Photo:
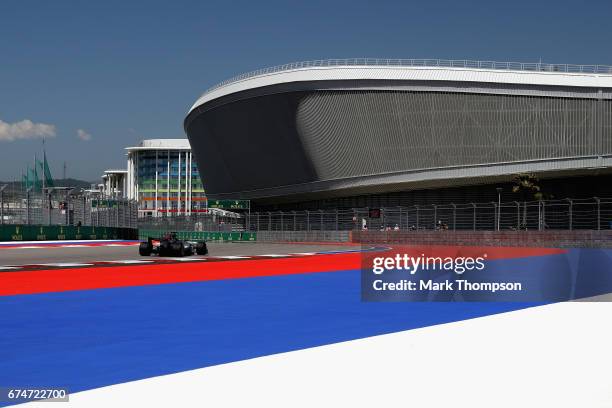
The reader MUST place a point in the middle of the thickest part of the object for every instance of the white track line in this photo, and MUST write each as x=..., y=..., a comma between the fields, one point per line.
x=182, y=259
x=232, y=257
x=63, y=264
x=152, y=260
x=86, y=241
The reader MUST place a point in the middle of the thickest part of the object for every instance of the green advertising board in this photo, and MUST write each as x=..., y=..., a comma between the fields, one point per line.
x=104, y=204
x=63, y=232
x=229, y=204
x=202, y=235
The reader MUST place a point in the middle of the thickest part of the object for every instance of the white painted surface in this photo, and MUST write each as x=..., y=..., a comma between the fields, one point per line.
x=231, y=257
x=552, y=356
x=63, y=264
x=92, y=241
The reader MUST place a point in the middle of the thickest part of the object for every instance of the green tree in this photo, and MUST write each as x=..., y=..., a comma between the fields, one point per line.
x=528, y=185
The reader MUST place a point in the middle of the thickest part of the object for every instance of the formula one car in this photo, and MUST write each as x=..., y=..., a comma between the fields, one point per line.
x=170, y=245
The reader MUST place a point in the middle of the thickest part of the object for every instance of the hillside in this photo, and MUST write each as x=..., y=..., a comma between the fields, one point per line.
x=69, y=182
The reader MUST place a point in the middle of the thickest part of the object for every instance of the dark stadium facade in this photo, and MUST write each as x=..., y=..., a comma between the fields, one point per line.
x=345, y=133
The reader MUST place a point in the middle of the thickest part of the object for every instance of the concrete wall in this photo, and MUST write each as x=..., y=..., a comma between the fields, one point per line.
x=553, y=239
x=304, y=236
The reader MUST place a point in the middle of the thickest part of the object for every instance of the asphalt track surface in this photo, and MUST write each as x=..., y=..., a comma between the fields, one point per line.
x=19, y=256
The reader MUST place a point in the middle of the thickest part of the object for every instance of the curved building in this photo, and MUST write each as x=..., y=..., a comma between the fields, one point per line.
x=341, y=128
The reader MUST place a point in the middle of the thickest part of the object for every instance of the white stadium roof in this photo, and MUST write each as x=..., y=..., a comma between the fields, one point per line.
x=538, y=74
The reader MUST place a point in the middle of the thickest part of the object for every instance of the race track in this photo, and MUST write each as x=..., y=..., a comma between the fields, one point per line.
x=71, y=253
x=276, y=320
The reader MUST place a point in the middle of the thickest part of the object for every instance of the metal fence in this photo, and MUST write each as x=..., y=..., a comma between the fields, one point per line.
x=442, y=63
x=194, y=222
x=64, y=207
x=567, y=214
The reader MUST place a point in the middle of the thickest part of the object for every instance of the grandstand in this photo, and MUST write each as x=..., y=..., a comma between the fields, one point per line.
x=365, y=133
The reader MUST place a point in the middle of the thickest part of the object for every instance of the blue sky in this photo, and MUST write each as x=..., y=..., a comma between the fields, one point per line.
x=122, y=71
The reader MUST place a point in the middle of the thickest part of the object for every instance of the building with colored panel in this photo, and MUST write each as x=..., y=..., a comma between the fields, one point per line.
x=346, y=133
x=164, y=177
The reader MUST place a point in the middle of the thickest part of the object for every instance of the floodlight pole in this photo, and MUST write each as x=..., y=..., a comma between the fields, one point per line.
x=48, y=191
x=28, y=205
x=67, y=208
x=499, y=191
x=2, y=203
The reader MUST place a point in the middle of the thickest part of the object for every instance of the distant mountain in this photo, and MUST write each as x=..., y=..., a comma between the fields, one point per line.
x=69, y=182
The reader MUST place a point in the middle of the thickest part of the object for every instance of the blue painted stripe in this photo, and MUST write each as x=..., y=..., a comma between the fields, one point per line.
x=89, y=339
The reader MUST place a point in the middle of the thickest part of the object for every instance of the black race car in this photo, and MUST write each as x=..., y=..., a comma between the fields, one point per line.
x=170, y=245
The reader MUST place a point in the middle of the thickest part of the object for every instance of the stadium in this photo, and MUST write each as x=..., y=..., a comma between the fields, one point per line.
x=371, y=132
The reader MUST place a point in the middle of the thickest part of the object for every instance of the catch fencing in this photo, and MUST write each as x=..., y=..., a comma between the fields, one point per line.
x=566, y=214
x=65, y=207
x=195, y=222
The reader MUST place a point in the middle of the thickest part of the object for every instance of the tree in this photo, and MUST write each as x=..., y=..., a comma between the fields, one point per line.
x=528, y=185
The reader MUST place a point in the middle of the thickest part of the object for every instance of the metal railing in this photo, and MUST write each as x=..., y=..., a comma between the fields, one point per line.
x=434, y=63
x=64, y=207
x=193, y=222
x=567, y=214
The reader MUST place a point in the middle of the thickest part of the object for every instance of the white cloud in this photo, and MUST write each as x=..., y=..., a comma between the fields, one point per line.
x=83, y=135
x=25, y=129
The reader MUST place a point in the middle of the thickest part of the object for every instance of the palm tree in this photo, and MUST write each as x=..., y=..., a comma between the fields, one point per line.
x=528, y=184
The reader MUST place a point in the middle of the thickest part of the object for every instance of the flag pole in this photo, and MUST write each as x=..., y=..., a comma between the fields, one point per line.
x=44, y=176
x=35, y=171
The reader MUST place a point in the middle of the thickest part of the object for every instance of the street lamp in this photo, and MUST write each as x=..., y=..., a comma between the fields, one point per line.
x=69, y=192
x=28, y=191
x=2, y=203
x=499, y=191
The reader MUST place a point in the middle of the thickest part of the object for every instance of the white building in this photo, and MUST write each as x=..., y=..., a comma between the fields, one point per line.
x=163, y=176
x=114, y=183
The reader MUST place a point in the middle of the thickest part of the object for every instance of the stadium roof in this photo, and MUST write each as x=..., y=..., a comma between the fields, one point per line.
x=539, y=74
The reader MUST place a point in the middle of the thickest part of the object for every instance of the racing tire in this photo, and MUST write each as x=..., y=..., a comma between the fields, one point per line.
x=201, y=248
x=145, y=249
x=164, y=249
x=178, y=250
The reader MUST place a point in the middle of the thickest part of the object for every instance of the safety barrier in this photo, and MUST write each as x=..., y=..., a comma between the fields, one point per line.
x=304, y=236
x=202, y=235
x=550, y=238
x=12, y=232
x=67, y=208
